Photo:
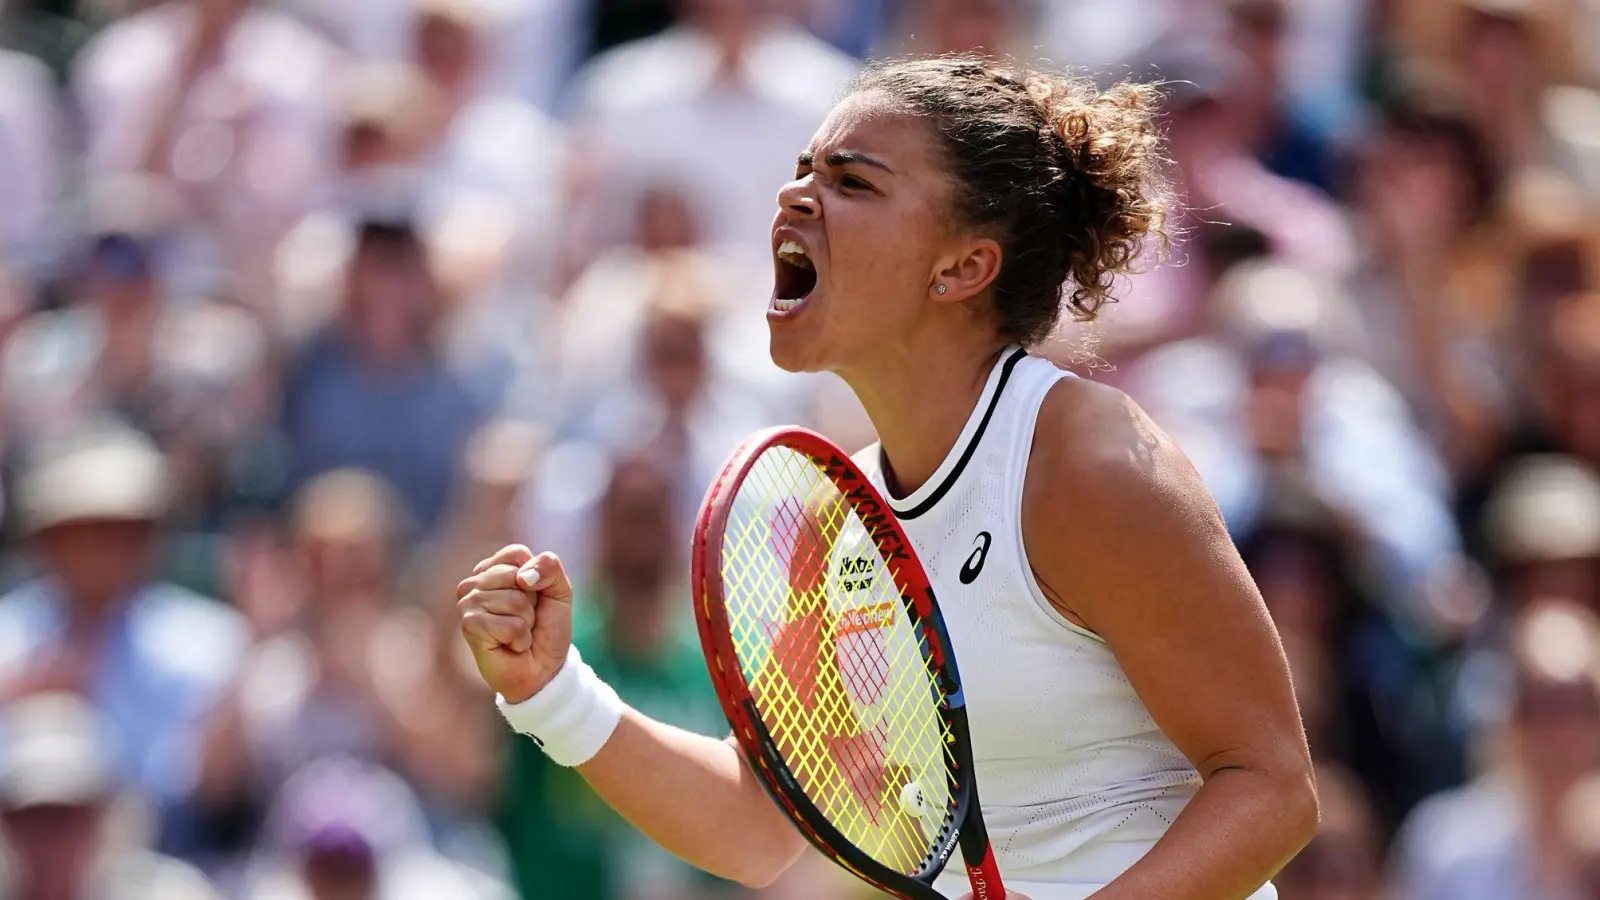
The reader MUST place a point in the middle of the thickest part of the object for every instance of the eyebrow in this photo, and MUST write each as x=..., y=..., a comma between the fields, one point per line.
x=840, y=158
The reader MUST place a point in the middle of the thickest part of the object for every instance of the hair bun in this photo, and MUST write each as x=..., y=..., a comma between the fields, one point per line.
x=1111, y=166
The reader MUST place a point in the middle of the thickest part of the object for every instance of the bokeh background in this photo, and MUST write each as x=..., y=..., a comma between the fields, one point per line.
x=306, y=305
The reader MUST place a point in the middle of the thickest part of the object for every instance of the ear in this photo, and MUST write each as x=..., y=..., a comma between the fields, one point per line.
x=967, y=272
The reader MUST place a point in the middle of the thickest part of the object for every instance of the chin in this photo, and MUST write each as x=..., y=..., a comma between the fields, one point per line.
x=784, y=355
x=792, y=355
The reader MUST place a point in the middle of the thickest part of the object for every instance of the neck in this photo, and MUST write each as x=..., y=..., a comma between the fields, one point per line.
x=919, y=408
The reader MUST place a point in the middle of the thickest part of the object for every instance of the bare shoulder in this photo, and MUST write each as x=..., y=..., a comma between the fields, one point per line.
x=1094, y=446
x=1108, y=496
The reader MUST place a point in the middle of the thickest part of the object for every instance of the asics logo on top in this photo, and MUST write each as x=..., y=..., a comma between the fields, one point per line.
x=974, y=563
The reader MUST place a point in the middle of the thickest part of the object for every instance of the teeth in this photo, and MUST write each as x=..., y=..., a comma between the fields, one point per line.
x=782, y=304
x=794, y=254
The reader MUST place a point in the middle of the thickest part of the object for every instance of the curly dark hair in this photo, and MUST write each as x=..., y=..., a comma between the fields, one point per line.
x=1067, y=177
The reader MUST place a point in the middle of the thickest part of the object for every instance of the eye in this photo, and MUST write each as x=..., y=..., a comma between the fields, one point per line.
x=854, y=183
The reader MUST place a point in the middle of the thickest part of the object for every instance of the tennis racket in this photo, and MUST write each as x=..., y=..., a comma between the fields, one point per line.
x=832, y=663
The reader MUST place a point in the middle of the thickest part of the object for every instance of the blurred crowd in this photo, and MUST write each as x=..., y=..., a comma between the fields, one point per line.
x=307, y=305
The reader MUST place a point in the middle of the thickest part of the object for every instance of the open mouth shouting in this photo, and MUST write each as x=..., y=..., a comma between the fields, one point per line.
x=794, y=280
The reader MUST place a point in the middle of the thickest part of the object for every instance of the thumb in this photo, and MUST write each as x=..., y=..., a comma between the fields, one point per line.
x=545, y=575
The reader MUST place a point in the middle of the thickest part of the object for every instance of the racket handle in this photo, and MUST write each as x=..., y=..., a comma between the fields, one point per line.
x=985, y=878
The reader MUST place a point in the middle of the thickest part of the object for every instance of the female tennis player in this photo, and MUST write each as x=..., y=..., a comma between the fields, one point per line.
x=1132, y=721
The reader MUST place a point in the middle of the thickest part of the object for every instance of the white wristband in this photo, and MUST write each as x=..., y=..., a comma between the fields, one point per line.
x=572, y=717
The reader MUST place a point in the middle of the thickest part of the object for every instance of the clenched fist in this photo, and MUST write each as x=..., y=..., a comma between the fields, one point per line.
x=516, y=614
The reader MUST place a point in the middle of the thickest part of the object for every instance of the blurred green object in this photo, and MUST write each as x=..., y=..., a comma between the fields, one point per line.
x=564, y=841
x=193, y=561
x=48, y=30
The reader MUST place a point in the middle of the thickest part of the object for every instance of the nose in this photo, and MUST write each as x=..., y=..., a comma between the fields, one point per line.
x=799, y=199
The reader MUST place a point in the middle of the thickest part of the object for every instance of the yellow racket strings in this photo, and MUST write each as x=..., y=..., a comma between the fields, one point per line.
x=834, y=662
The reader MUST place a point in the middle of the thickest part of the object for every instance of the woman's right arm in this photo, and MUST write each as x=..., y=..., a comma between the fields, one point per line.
x=693, y=795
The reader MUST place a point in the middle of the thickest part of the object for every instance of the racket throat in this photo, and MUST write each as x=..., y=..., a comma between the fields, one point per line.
x=985, y=877
x=978, y=855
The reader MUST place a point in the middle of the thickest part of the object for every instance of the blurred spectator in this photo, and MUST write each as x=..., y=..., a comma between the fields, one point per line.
x=1215, y=166
x=1436, y=285
x=1500, y=836
x=749, y=86
x=1374, y=697
x=1287, y=143
x=353, y=676
x=535, y=44
x=1220, y=183
x=99, y=352
x=383, y=108
x=493, y=172
x=601, y=313
x=854, y=26
x=484, y=170
x=371, y=391
x=648, y=381
x=1345, y=860
x=1277, y=386
x=226, y=100
x=540, y=45
x=487, y=155
x=1540, y=538
x=1322, y=61
x=996, y=27
x=32, y=138
x=214, y=395
x=632, y=626
x=1565, y=354
x=194, y=373
x=347, y=830
x=1549, y=341
x=655, y=348
x=1100, y=34
x=68, y=830
x=337, y=253
x=308, y=691
x=1504, y=72
x=1542, y=532
x=152, y=657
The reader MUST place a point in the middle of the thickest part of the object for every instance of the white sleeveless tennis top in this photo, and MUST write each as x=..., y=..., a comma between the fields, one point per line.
x=1076, y=780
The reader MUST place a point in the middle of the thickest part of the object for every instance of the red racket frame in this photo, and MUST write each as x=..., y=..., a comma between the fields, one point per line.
x=965, y=827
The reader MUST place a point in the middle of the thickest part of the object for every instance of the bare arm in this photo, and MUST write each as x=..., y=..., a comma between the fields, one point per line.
x=1127, y=542
x=699, y=800
x=694, y=795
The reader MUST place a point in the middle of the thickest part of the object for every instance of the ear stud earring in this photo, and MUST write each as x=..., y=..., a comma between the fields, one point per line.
x=941, y=289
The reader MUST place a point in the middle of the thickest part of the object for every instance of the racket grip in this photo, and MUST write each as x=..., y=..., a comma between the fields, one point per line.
x=985, y=877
